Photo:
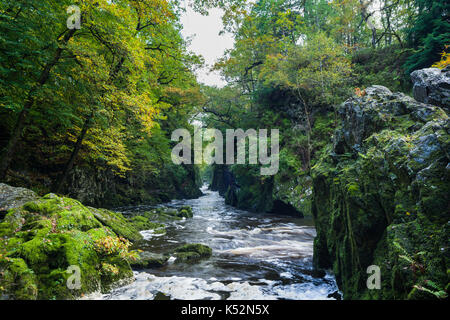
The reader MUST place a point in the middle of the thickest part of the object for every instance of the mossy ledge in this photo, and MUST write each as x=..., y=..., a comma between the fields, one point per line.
x=381, y=198
x=40, y=240
x=192, y=252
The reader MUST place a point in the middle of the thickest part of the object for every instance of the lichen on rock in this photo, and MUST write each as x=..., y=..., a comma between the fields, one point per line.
x=381, y=198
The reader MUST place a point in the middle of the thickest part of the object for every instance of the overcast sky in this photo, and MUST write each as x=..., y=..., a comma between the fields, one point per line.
x=206, y=41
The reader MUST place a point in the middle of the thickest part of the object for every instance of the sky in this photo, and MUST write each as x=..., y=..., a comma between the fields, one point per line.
x=206, y=41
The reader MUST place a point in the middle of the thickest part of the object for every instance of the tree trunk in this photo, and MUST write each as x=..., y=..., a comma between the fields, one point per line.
x=374, y=37
x=21, y=120
x=69, y=165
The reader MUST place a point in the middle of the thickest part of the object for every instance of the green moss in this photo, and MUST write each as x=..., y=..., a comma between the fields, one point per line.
x=150, y=260
x=185, y=211
x=192, y=252
x=117, y=223
x=385, y=203
x=18, y=281
x=143, y=223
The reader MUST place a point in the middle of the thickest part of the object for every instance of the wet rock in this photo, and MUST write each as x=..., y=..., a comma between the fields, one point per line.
x=166, y=214
x=42, y=238
x=143, y=223
x=192, y=252
x=318, y=273
x=282, y=208
x=336, y=295
x=378, y=91
x=432, y=86
x=185, y=212
x=149, y=260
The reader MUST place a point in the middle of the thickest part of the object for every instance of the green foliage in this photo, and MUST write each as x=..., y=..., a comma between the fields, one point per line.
x=382, y=66
x=53, y=233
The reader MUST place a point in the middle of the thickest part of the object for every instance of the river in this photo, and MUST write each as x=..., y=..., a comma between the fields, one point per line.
x=255, y=256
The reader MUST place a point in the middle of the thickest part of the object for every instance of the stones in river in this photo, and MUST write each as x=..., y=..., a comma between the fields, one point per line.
x=167, y=214
x=188, y=253
x=192, y=252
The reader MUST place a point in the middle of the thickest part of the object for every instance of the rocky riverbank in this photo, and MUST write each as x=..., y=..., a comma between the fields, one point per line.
x=381, y=197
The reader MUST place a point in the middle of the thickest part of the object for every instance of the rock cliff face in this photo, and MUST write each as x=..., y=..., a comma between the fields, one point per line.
x=11, y=197
x=381, y=197
x=248, y=192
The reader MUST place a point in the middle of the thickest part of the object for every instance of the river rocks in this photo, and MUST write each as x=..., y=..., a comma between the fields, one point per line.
x=40, y=240
x=188, y=253
x=12, y=197
x=192, y=252
x=149, y=260
x=380, y=197
x=432, y=86
x=185, y=212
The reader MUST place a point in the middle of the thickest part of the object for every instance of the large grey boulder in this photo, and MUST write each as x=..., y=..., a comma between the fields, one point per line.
x=432, y=86
x=363, y=116
x=13, y=197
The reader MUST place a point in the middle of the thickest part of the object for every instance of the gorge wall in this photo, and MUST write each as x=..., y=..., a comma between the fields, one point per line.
x=381, y=196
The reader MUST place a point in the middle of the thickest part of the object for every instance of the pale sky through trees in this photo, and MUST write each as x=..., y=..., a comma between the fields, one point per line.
x=206, y=41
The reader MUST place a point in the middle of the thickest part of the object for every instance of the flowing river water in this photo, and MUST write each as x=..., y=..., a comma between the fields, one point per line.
x=255, y=256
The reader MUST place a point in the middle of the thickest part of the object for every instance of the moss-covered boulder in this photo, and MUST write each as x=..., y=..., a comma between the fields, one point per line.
x=46, y=243
x=144, y=223
x=149, y=260
x=117, y=223
x=185, y=212
x=163, y=214
x=192, y=252
x=381, y=198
